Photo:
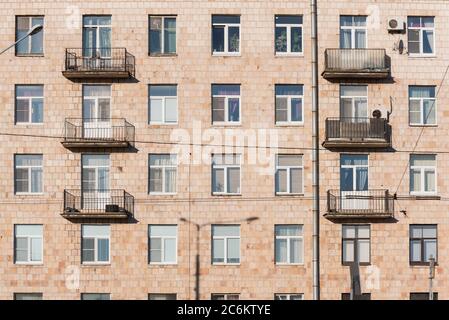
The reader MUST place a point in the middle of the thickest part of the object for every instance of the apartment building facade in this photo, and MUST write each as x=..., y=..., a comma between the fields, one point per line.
x=162, y=149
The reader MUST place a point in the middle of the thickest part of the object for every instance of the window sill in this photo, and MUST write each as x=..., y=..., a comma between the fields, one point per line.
x=161, y=264
x=37, y=194
x=421, y=56
x=29, y=264
x=364, y=264
x=93, y=264
x=422, y=125
x=289, y=264
x=159, y=194
x=289, y=55
x=161, y=124
x=289, y=124
x=226, y=54
x=31, y=55
x=162, y=55
x=226, y=264
x=31, y=124
x=227, y=125
x=425, y=196
x=421, y=264
x=227, y=194
x=285, y=194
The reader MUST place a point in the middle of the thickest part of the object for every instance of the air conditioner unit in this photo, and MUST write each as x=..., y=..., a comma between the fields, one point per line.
x=396, y=24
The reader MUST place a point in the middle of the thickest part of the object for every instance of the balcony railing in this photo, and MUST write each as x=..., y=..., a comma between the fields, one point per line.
x=356, y=63
x=105, y=203
x=357, y=132
x=360, y=204
x=99, y=63
x=110, y=132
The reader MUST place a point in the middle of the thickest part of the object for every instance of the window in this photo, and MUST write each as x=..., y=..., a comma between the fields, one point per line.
x=288, y=296
x=163, y=244
x=423, y=243
x=289, y=174
x=163, y=104
x=28, y=243
x=97, y=37
x=225, y=244
x=289, y=244
x=225, y=296
x=95, y=243
x=33, y=44
x=288, y=35
x=422, y=105
x=225, y=103
x=423, y=171
x=226, y=174
x=95, y=296
x=29, y=104
x=422, y=296
x=162, y=296
x=353, y=103
x=95, y=180
x=225, y=34
x=163, y=170
x=356, y=244
x=162, y=35
x=289, y=104
x=421, y=35
x=27, y=296
x=28, y=173
x=353, y=32
x=364, y=296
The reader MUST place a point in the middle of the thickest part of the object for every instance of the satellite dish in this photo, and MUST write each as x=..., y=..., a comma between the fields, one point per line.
x=377, y=114
x=401, y=46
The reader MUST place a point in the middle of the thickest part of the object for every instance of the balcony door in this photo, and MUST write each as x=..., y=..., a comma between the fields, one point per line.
x=97, y=112
x=353, y=110
x=95, y=181
x=353, y=32
x=97, y=41
x=354, y=182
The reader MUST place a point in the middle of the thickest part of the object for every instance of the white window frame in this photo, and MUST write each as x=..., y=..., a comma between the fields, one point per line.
x=163, y=17
x=353, y=99
x=289, y=27
x=421, y=110
x=289, y=97
x=226, y=51
x=30, y=106
x=29, y=169
x=97, y=28
x=422, y=171
x=225, y=296
x=163, y=167
x=356, y=242
x=226, y=122
x=29, y=38
x=96, y=99
x=353, y=30
x=163, y=99
x=96, y=168
x=163, y=238
x=287, y=296
x=29, y=238
x=421, y=31
x=225, y=246
x=288, y=169
x=96, y=239
x=289, y=238
x=225, y=168
x=354, y=168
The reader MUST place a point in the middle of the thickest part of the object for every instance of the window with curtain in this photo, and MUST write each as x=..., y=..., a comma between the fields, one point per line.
x=226, y=174
x=289, y=104
x=423, y=243
x=423, y=174
x=422, y=105
x=95, y=296
x=33, y=44
x=356, y=244
x=163, y=172
x=28, y=296
x=353, y=32
x=95, y=241
x=225, y=34
x=289, y=296
x=29, y=104
x=289, y=174
x=288, y=34
x=162, y=244
x=97, y=36
x=95, y=173
x=289, y=244
x=162, y=35
x=163, y=104
x=225, y=104
x=421, y=35
x=28, y=243
x=354, y=172
x=28, y=173
x=225, y=244
x=354, y=103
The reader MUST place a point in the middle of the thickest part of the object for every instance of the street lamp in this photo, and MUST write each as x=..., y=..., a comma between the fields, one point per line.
x=197, y=257
x=32, y=31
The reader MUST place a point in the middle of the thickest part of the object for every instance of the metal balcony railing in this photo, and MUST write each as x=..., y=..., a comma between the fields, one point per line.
x=357, y=129
x=370, y=203
x=98, y=130
x=105, y=201
x=361, y=62
x=91, y=60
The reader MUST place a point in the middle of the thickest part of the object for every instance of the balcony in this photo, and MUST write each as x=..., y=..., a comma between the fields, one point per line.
x=357, y=133
x=371, y=204
x=103, y=63
x=98, y=133
x=111, y=204
x=356, y=63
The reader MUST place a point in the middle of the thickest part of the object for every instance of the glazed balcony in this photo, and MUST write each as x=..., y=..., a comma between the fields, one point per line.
x=370, y=204
x=357, y=133
x=110, y=203
x=356, y=63
x=102, y=63
x=102, y=133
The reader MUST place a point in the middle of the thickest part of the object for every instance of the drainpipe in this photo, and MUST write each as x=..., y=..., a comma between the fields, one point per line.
x=315, y=155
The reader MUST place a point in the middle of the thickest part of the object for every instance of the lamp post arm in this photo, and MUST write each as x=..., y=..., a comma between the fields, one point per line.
x=33, y=31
